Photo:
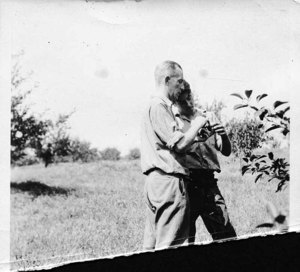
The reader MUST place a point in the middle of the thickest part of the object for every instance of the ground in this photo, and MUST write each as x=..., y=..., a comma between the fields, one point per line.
x=73, y=211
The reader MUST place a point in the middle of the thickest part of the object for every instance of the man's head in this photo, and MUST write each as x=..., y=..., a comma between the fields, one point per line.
x=169, y=77
x=185, y=101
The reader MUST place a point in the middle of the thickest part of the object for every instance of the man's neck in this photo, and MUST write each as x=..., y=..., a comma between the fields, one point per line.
x=162, y=91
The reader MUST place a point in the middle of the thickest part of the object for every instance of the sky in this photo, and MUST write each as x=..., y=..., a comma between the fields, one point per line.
x=98, y=57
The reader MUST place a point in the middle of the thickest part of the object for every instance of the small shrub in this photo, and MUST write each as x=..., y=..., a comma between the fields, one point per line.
x=134, y=154
x=26, y=160
x=81, y=151
x=245, y=135
x=62, y=159
x=110, y=153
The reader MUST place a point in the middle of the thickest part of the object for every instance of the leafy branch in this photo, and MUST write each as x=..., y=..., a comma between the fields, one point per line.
x=276, y=118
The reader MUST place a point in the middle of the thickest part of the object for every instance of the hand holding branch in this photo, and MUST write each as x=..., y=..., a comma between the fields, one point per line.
x=219, y=129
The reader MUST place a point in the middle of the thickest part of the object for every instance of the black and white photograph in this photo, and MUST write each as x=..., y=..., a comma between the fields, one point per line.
x=145, y=125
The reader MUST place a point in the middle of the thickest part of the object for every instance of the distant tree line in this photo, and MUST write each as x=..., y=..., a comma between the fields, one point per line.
x=35, y=139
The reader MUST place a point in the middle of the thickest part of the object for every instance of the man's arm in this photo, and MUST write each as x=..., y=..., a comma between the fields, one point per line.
x=165, y=127
x=223, y=142
x=189, y=136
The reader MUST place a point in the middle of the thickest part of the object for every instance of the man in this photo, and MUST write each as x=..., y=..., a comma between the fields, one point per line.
x=163, y=148
x=202, y=160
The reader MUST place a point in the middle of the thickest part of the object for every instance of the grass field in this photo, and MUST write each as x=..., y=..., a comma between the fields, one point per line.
x=75, y=211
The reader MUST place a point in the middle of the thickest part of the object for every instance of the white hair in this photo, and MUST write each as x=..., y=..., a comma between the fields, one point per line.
x=164, y=70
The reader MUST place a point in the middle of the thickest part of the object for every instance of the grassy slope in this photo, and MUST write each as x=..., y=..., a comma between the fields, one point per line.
x=97, y=209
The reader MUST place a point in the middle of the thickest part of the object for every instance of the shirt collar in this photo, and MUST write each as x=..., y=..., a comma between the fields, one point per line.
x=177, y=114
x=164, y=99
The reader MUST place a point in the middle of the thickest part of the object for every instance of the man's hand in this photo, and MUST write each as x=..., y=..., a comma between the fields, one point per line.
x=198, y=111
x=203, y=135
x=189, y=136
x=199, y=121
x=223, y=142
x=219, y=129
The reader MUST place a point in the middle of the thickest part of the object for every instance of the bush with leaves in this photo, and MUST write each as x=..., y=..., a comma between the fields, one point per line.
x=276, y=118
x=245, y=135
x=27, y=160
x=110, y=153
x=134, y=154
x=82, y=151
x=58, y=136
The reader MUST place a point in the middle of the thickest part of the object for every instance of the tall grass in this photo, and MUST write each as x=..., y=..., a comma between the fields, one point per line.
x=76, y=211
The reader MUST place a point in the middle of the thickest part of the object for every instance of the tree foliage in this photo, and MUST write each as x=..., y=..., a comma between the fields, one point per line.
x=82, y=151
x=276, y=118
x=110, y=153
x=30, y=131
x=245, y=135
x=66, y=148
x=27, y=131
x=58, y=136
x=134, y=154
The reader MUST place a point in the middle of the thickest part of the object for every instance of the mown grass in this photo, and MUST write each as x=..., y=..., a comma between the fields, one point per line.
x=76, y=211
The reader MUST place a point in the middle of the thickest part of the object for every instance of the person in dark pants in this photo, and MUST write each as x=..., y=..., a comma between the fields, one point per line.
x=207, y=201
x=205, y=197
x=48, y=155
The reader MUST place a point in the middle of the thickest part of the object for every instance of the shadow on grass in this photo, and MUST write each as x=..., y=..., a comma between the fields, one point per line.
x=36, y=188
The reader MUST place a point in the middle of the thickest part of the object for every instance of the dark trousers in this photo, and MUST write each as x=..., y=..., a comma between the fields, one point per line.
x=207, y=201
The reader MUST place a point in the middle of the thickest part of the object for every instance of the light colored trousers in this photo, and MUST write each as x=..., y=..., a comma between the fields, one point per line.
x=167, y=211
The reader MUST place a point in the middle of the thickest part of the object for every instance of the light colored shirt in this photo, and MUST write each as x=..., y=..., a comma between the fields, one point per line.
x=200, y=155
x=159, y=136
